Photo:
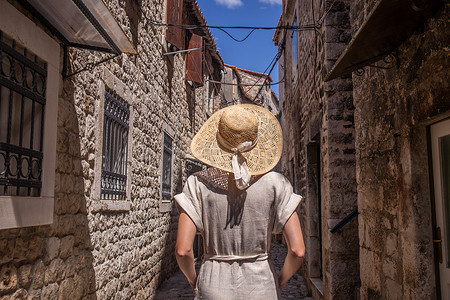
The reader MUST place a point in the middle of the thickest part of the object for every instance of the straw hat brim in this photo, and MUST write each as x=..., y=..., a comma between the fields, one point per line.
x=260, y=159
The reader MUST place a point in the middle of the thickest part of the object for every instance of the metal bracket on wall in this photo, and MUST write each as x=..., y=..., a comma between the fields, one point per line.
x=180, y=51
x=344, y=221
x=88, y=67
x=390, y=61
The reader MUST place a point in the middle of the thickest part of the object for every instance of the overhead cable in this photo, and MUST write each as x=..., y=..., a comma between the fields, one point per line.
x=244, y=84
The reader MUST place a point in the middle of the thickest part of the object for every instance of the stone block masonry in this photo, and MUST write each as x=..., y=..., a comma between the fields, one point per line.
x=320, y=145
x=99, y=249
x=393, y=109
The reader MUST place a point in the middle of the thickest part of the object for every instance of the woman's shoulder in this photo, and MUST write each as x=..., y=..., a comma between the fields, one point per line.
x=272, y=180
x=272, y=175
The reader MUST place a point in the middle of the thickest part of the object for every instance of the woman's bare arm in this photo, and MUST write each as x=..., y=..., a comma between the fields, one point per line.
x=296, y=249
x=184, y=248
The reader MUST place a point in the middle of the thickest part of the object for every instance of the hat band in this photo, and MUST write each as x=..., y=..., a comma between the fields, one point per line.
x=240, y=169
x=242, y=147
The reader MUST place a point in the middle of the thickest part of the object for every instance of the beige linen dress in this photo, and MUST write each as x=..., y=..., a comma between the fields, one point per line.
x=237, y=227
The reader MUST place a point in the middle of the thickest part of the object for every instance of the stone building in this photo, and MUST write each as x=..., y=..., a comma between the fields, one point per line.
x=244, y=86
x=376, y=139
x=98, y=105
x=319, y=137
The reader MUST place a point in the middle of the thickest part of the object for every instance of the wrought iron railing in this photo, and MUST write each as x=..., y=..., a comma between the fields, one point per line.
x=115, y=147
x=23, y=78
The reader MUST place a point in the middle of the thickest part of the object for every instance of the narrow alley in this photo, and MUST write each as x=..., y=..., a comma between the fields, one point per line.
x=177, y=287
x=342, y=102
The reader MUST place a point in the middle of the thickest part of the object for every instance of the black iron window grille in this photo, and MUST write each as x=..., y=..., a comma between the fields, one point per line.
x=115, y=147
x=167, y=168
x=23, y=78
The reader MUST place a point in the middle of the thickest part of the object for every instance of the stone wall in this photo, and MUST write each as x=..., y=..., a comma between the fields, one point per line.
x=393, y=109
x=99, y=249
x=320, y=150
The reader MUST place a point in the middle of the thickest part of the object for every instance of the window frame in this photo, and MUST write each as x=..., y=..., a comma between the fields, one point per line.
x=114, y=147
x=111, y=82
x=24, y=211
x=165, y=203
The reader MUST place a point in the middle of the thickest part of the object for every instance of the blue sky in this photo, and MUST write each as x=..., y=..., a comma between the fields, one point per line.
x=256, y=52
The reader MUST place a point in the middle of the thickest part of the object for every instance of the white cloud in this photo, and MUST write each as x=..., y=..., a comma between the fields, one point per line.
x=230, y=3
x=271, y=2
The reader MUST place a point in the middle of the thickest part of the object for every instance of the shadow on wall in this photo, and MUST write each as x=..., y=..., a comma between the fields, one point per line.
x=168, y=261
x=54, y=261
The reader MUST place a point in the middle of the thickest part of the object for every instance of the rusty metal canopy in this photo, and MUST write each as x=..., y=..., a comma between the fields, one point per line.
x=389, y=24
x=81, y=23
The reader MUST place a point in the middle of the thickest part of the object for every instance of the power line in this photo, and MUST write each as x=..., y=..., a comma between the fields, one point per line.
x=243, y=84
x=279, y=53
x=262, y=75
x=191, y=27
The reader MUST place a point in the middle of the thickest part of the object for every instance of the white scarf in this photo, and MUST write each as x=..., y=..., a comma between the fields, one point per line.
x=240, y=169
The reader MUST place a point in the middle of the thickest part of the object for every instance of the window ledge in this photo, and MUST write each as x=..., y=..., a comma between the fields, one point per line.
x=110, y=206
x=165, y=206
x=18, y=212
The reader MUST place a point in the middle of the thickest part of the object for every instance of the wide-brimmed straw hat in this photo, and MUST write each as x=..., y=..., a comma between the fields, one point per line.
x=246, y=133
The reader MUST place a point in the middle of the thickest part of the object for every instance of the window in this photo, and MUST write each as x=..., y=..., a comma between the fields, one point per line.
x=23, y=77
x=115, y=147
x=166, y=186
x=294, y=37
x=29, y=85
x=111, y=189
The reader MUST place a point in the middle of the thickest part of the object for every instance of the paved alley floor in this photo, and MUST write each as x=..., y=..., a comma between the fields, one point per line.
x=177, y=287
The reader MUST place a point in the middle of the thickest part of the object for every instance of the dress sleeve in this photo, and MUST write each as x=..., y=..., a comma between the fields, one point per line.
x=286, y=202
x=189, y=202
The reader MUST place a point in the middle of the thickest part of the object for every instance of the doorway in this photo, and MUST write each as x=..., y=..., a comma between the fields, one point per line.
x=440, y=153
x=315, y=211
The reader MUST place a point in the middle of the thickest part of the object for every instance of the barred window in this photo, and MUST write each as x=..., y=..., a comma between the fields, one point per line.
x=115, y=147
x=23, y=77
x=167, y=168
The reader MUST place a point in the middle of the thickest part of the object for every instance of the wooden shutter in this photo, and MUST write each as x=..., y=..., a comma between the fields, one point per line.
x=174, y=16
x=194, y=59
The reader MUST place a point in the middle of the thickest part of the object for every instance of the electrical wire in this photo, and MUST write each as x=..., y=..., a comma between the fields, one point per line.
x=314, y=26
x=271, y=69
x=222, y=28
x=243, y=84
x=241, y=40
x=263, y=74
x=191, y=27
x=280, y=52
x=321, y=19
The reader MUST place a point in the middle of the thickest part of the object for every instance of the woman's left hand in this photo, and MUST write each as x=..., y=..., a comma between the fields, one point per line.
x=194, y=284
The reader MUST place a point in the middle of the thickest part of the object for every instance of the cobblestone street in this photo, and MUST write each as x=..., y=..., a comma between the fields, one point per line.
x=177, y=287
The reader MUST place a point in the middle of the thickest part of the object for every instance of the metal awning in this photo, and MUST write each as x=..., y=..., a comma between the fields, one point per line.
x=389, y=24
x=81, y=23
